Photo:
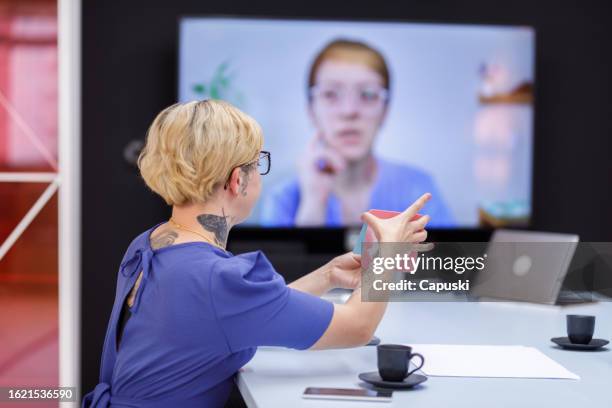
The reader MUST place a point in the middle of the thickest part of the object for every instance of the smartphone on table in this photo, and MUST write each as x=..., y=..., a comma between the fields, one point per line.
x=347, y=394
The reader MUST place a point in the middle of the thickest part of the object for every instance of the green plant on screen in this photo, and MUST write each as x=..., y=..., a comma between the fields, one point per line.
x=220, y=86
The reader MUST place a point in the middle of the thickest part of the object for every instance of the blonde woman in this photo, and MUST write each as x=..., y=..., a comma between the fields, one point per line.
x=338, y=175
x=188, y=313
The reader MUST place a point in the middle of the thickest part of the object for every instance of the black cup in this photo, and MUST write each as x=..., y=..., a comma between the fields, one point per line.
x=580, y=328
x=393, y=361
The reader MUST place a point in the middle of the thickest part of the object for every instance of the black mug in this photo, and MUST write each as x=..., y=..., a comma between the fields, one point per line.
x=580, y=328
x=393, y=361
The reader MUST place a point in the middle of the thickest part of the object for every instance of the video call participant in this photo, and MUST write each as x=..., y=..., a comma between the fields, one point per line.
x=188, y=313
x=338, y=175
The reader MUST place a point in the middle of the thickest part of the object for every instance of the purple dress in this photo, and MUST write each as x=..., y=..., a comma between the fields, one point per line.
x=198, y=316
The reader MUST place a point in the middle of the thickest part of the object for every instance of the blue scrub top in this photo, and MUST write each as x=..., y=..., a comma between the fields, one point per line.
x=396, y=187
x=199, y=314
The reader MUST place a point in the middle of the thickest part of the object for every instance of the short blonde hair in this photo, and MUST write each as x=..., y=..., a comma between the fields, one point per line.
x=351, y=51
x=192, y=148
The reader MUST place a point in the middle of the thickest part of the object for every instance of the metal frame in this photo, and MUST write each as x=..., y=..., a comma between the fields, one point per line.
x=66, y=181
x=69, y=220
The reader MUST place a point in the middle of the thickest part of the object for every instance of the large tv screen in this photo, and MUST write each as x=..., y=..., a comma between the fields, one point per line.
x=362, y=115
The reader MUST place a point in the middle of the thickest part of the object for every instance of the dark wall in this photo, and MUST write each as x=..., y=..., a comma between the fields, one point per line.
x=129, y=74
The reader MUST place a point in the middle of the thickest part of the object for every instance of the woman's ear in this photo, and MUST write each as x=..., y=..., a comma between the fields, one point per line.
x=233, y=183
x=383, y=116
x=312, y=116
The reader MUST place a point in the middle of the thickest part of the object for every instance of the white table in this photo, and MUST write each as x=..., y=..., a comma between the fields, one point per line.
x=277, y=377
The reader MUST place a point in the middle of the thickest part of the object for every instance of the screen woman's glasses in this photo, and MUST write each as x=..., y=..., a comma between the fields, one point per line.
x=264, y=162
x=368, y=97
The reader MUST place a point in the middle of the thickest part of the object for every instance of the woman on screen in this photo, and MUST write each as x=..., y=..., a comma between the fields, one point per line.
x=188, y=313
x=339, y=177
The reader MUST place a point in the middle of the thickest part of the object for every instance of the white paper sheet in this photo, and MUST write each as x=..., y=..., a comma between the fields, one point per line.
x=449, y=360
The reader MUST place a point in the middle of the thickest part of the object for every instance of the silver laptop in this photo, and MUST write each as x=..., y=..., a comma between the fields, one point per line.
x=525, y=266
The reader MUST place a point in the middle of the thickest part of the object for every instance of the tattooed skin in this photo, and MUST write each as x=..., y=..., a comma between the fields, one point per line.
x=217, y=224
x=164, y=239
x=246, y=176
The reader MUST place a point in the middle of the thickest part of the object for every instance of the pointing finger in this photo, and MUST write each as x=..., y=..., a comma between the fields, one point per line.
x=416, y=206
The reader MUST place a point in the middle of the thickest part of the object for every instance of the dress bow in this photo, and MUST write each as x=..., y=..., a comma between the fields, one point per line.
x=140, y=261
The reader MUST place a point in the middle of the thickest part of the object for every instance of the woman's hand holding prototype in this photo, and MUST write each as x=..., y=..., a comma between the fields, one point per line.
x=403, y=227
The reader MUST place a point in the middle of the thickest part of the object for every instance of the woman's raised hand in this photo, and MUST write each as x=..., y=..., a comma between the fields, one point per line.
x=317, y=169
x=403, y=227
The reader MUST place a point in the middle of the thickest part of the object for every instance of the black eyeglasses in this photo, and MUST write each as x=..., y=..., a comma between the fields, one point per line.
x=264, y=163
